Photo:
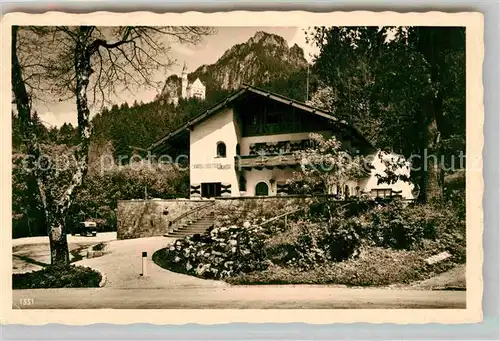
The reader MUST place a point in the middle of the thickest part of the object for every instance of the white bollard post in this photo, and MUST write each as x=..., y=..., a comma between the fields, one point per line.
x=144, y=264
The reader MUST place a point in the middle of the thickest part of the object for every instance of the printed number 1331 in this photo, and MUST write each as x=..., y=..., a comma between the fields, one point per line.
x=26, y=301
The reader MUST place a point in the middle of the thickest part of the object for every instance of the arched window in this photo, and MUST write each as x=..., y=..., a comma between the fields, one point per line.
x=346, y=191
x=261, y=189
x=238, y=149
x=221, y=149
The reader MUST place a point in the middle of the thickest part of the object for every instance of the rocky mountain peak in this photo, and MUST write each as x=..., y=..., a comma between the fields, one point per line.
x=262, y=58
x=267, y=39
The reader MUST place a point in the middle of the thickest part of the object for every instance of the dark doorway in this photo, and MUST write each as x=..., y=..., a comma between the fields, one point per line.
x=261, y=189
x=211, y=189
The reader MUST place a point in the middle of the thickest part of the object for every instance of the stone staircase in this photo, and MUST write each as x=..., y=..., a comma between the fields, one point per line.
x=191, y=228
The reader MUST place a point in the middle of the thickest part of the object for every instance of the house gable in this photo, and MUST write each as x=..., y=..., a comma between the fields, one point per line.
x=274, y=114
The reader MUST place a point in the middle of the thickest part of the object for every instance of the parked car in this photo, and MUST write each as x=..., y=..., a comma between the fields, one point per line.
x=85, y=228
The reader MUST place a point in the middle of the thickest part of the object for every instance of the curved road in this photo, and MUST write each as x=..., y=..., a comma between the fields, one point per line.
x=126, y=289
x=238, y=297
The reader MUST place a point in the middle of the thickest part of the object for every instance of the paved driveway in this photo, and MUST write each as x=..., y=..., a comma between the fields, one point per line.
x=123, y=266
x=31, y=254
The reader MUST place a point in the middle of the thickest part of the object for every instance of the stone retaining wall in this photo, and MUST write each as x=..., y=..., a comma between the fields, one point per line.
x=148, y=218
x=250, y=208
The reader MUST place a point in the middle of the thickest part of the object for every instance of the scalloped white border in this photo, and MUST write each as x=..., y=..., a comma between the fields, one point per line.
x=474, y=23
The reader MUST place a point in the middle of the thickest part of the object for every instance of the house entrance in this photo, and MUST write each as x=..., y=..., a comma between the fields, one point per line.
x=211, y=189
x=261, y=189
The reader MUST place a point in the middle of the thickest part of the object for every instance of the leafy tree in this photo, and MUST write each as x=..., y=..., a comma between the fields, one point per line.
x=403, y=87
x=294, y=86
x=325, y=166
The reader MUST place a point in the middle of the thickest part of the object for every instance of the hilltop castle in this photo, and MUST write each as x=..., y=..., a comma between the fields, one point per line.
x=187, y=90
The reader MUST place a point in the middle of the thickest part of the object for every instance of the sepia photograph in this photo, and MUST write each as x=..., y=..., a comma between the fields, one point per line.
x=240, y=167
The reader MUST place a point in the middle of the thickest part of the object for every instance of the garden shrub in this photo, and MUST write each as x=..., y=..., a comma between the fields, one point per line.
x=342, y=241
x=57, y=277
x=298, y=246
x=375, y=266
x=398, y=225
x=221, y=253
x=99, y=247
x=409, y=226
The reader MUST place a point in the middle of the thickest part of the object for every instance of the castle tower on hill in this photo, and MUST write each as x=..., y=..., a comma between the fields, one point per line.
x=179, y=87
x=195, y=89
x=184, y=82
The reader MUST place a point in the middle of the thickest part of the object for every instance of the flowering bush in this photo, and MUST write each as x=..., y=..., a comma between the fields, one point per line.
x=222, y=253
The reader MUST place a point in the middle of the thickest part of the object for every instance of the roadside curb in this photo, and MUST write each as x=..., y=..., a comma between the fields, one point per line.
x=93, y=254
x=449, y=288
x=103, y=278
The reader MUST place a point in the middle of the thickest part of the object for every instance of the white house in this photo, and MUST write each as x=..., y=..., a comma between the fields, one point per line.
x=243, y=146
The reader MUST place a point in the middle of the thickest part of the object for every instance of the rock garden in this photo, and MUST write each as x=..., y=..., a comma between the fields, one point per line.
x=358, y=243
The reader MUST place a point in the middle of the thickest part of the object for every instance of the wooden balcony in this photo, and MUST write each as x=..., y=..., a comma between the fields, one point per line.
x=266, y=161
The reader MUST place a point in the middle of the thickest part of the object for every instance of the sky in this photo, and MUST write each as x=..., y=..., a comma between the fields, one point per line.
x=207, y=52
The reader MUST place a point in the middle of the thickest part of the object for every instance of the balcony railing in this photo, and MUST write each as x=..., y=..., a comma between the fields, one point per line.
x=280, y=147
x=266, y=161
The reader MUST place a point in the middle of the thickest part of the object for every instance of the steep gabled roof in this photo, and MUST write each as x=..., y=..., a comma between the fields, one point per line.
x=197, y=83
x=252, y=89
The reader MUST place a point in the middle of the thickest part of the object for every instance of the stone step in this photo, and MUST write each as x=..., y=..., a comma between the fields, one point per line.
x=194, y=231
x=192, y=227
x=196, y=225
x=180, y=235
x=204, y=228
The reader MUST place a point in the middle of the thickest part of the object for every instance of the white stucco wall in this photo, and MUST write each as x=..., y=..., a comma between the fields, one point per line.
x=254, y=176
x=203, y=151
x=371, y=182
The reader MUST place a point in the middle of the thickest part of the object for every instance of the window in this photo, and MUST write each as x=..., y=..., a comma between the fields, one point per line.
x=221, y=149
x=261, y=189
x=381, y=192
x=211, y=189
x=242, y=182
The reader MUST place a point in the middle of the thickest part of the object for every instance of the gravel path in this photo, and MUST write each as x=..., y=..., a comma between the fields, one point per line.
x=122, y=263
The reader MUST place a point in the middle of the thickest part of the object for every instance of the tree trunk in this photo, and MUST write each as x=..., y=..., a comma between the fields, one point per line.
x=21, y=98
x=59, y=253
x=83, y=71
x=432, y=175
x=55, y=210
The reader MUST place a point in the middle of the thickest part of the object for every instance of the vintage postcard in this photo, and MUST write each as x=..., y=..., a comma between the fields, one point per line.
x=242, y=167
